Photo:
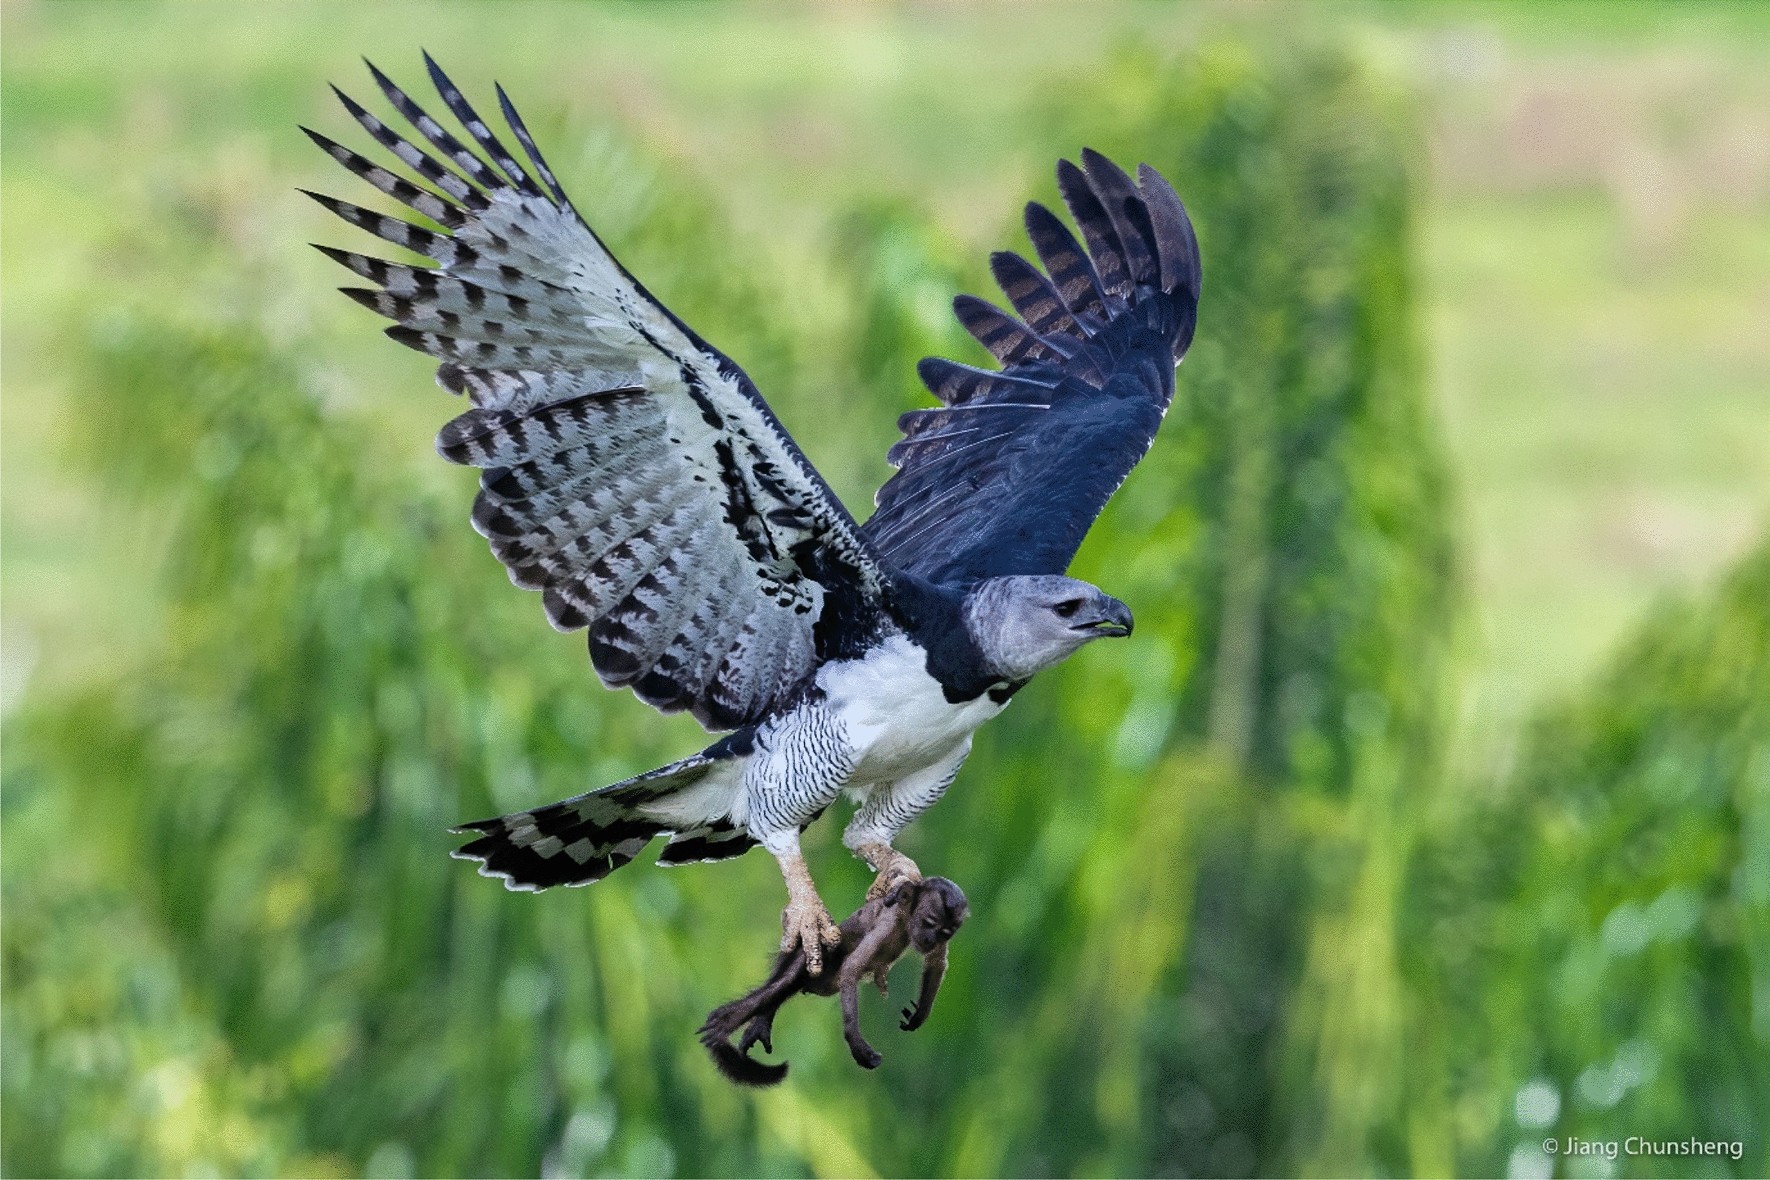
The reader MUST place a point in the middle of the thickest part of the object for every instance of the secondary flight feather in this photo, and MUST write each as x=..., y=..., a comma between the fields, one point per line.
x=635, y=477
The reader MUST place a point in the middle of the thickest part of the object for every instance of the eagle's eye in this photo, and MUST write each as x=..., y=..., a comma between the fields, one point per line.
x=1068, y=608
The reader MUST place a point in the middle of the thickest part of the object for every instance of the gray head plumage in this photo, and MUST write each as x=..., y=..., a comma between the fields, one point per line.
x=1026, y=623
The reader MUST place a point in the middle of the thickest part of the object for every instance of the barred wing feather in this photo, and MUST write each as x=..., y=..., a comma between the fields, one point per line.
x=1008, y=475
x=632, y=473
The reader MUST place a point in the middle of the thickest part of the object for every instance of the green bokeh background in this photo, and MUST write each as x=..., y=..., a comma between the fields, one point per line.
x=1425, y=818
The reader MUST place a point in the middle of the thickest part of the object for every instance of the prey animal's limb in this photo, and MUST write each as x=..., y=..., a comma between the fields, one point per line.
x=754, y=1012
x=760, y=1031
x=759, y=1005
x=933, y=971
x=921, y=914
x=878, y=948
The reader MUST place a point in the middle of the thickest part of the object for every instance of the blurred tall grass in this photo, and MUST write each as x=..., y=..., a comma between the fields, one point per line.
x=1234, y=913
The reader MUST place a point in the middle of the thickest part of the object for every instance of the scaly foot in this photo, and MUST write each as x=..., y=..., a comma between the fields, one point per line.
x=893, y=867
x=805, y=923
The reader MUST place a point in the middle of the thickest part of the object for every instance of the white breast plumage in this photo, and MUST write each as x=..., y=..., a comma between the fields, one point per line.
x=896, y=718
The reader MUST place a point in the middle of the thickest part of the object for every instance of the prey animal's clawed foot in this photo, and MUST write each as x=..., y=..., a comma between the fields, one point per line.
x=760, y=1031
x=913, y=1018
x=806, y=925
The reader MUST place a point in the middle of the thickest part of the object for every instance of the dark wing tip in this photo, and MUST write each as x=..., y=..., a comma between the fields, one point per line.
x=369, y=268
x=1104, y=175
x=355, y=109
x=523, y=136
x=363, y=295
x=413, y=338
x=382, y=80
x=1036, y=214
x=1093, y=161
x=1008, y=260
x=1148, y=179
x=1182, y=267
x=438, y=78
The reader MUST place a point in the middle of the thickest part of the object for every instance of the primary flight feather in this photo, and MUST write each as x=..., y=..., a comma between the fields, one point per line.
x=635, y=477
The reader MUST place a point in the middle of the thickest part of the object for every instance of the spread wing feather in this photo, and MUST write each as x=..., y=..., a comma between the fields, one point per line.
x=631, y=473
x=1007, y=476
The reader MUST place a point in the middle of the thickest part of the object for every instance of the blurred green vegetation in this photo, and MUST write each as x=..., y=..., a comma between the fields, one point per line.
x=1240, y=909
x=1601, y=923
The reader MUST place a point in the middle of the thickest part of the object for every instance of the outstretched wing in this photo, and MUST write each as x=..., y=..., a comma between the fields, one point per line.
x=1009, y=474
x=632, y=473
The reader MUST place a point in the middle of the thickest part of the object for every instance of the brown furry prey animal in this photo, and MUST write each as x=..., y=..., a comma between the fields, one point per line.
x=922, y=914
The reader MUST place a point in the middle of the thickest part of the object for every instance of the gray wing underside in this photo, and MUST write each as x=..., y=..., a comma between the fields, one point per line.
x=632, y=473
x=1008, y=475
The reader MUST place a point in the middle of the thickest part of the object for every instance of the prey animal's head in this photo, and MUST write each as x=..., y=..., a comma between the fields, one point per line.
x=937, y=909
x=1024, y=624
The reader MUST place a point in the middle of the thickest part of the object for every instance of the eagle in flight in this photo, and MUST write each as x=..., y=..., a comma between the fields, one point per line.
x=634, y=475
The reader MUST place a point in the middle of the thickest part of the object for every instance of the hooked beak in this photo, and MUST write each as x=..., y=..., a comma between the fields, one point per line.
x=1108, y=617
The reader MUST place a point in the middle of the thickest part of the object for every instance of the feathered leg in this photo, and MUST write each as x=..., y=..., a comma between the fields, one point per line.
x=797, y=770
x=888, y=810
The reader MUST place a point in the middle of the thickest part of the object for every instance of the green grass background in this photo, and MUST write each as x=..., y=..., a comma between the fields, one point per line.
x=1418, y=824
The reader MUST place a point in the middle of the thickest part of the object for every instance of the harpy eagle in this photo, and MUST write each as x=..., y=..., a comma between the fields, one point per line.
x=633, y=475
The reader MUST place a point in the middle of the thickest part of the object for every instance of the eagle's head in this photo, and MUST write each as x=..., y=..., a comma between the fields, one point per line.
x=1026, y=623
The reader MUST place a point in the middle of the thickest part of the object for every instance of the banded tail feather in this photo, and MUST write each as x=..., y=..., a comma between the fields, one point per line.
x=573, y=842
x=585, y=838
x=719, y=840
